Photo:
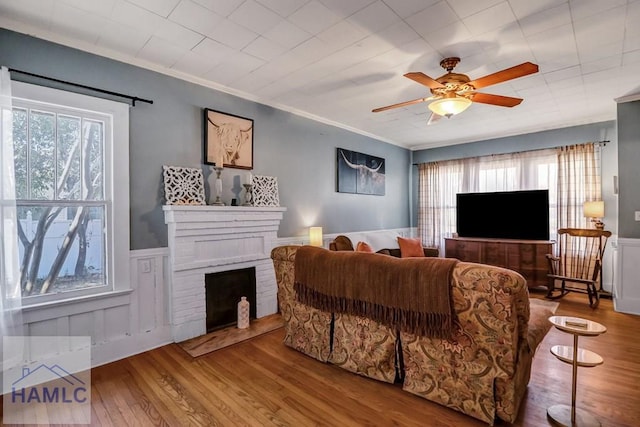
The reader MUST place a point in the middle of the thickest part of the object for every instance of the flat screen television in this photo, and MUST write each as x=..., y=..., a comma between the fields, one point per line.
x=520, y=215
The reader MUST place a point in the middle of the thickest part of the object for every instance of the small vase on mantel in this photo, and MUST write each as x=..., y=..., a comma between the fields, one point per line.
x=243, y=313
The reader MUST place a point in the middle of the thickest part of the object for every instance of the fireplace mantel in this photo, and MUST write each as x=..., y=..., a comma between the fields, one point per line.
x=210, y=239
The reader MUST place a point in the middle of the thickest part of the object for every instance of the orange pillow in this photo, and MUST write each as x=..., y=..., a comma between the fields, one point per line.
x=410, y=247
x=363, y=247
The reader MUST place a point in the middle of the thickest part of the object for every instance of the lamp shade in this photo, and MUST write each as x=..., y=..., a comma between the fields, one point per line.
x=450, y=106
x=593, y=209
x=315, y=236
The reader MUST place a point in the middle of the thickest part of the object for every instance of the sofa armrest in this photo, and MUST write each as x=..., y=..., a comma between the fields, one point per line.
x=307, y=329
x=498, y=299
x=461, y=372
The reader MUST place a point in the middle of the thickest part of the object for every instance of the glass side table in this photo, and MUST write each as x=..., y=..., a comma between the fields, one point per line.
x=564, y=415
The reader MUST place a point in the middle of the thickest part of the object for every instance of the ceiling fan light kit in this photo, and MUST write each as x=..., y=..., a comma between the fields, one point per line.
x=453, y=92
x=449, y=106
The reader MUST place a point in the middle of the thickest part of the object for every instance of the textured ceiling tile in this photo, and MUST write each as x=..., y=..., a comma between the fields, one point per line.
x=102, y=7
x=232, y=34
x=254, y=16
x=464, y=8
x=134, y=16
x=221, y=7
x=406, y=8
x=490, y=19
x=450, y=38
x=195, y=17
x=524, y=8
x=159, y=7
x=312, y=50
x=553, y=43
x=123, y=38
x=433, y=18
x=287, y=35
x=283, y=8
x=374, y=18
x=234, y=67
x=160, y=52
x=264, y=49
x=341, y=35
x=346, y=8
x=213, y=50
x=178, y=35
x=194, y=64
x=546, y=20
x=76, y=23
x=314, y=17
x=584, y=8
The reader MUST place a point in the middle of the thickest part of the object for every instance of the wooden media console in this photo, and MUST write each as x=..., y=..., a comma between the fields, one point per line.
x=527, y=257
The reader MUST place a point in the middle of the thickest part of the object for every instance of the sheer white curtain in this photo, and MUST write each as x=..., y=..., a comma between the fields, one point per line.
x=439, y=182
x=10, y=295
x=578, y=182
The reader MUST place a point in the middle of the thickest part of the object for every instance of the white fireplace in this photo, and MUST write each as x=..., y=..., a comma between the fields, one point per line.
x=211, y=239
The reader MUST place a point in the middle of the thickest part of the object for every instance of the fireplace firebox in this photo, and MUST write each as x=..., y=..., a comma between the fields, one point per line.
x=223, y=291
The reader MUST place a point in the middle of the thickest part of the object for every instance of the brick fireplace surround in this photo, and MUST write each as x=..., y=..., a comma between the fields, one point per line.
x=210, y=239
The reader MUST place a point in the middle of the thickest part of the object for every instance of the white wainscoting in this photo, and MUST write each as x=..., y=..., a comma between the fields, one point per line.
x=119, y=325
x=327, y=238
x=627, y=280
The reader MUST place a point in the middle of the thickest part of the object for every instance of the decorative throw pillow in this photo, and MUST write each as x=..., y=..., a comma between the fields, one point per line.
x=410, y=247
x=363, y=247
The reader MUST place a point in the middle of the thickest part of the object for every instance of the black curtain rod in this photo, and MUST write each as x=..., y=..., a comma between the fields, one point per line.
x=133, y=99
x=603, y=143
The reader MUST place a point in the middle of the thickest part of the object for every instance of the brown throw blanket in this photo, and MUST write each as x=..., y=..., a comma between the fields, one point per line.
x=412, y=294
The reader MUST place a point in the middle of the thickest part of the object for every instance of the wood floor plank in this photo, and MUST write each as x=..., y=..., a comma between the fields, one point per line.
x=143, y=403
x=215, y=400
x=147, y=379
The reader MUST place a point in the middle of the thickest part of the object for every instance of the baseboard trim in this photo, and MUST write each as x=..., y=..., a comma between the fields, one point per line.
x=111, y=351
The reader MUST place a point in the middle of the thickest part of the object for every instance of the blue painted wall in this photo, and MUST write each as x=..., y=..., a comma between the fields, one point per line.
x=300, y=152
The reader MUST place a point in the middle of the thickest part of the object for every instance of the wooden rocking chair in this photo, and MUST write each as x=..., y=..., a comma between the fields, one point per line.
x=579, y=263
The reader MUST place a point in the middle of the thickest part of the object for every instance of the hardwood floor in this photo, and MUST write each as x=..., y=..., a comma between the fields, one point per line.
x=261, y=382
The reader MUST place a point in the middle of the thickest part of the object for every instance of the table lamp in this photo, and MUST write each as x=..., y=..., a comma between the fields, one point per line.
x=315, y=236
x=595, y=211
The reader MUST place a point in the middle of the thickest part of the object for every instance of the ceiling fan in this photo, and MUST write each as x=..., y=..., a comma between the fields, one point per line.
x=453, y=93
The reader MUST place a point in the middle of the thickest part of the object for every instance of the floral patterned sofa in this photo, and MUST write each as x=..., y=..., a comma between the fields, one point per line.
x=482, y=370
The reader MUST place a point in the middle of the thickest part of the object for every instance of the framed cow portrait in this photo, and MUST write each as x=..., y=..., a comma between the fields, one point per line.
x=360, y=173
x=228, y=140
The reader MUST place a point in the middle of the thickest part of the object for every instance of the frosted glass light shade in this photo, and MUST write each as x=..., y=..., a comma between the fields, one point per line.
x=315, y=236
x=593, y=209
x=449, y=106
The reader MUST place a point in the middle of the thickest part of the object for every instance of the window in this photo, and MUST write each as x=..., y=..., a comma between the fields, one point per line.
x=441, y=181
x=72, y=198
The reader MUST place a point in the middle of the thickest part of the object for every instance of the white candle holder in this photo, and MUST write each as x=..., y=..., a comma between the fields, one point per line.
x=218, y=201
x=247, y=195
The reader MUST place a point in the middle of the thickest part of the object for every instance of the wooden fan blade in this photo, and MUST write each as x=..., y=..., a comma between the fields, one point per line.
x=521, y=70
x=502, y=101
x=423, y=79
x=401, y=104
